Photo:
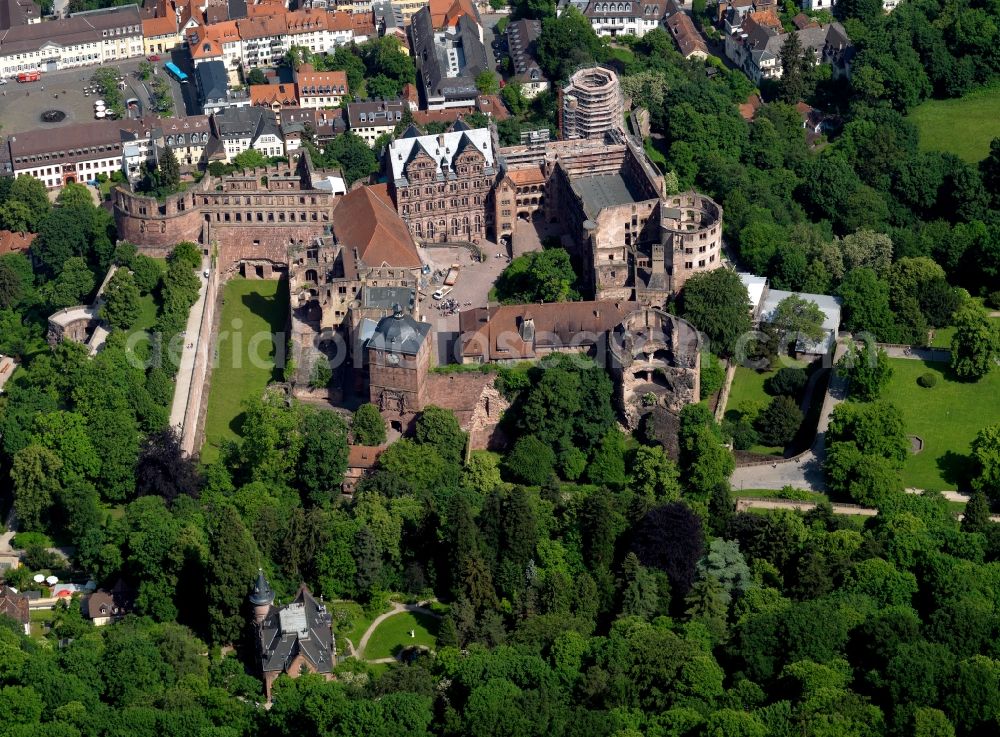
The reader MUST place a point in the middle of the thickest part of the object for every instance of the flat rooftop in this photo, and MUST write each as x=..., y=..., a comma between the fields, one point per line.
x=604, y=190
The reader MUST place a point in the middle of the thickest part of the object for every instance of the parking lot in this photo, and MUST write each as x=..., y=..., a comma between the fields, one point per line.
x=22, y=104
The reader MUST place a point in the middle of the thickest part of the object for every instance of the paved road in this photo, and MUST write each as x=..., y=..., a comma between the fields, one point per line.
x=749, y=503
x=746, y=503
x=192, y=344
x=919, y=354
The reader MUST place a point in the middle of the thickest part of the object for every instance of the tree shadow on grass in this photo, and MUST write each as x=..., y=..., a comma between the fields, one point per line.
x=956, y=469
x=236, y=424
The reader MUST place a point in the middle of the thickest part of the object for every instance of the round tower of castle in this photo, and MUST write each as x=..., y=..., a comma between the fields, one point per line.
x=261, y=597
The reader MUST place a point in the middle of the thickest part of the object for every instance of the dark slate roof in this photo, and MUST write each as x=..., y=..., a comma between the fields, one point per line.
x=432, y=58
x=251, y=122
x=262, y=592
x=412, y=131
x=303, y=627
x=237, y=9
x=213, y=82
x=399, y=333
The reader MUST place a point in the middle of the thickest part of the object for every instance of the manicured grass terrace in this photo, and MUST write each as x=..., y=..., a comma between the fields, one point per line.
x=947, y=418
x=394, y=634
x=252, y=310
x=748, y=386
x=964, y=126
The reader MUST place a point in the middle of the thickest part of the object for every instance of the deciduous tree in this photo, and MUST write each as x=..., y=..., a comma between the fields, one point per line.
x=716, y=302
x=121, y=301
x=368, y=427
x=975, y=345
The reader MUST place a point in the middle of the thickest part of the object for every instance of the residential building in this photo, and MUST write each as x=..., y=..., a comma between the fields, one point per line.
x=521, y=38
x=78, y=153
x=274, y=97
x=448, y=60
x=755, y=45
x=84, y=39
x=373, y=118
x=15, y=605
x=238, y=129
x=889, y=5
x=360, y=460
x=323, y=125
x=160, y=35
x=104, y=607
x=441, y=184
x=320, y=89
x=812, y=5
x=187, y=137
x=214, y=91
x=217, y=42
x=591, y=104
x=445, y=14
x=625, y=17
x=489, y=105
x=292, y=639
x=679, y=25
x=264, y=40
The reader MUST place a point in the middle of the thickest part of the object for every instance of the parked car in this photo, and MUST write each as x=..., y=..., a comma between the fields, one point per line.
x=152, y=57
x=3, y=80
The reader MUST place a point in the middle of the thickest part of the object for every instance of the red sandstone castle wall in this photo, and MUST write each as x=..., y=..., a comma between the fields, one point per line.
x=255, y=241
x=153, y=232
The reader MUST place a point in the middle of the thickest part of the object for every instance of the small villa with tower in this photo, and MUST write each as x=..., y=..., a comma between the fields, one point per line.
x=295, y=638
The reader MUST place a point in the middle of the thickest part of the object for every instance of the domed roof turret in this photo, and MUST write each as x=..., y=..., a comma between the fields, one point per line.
x=399, y=333
x=262, y=593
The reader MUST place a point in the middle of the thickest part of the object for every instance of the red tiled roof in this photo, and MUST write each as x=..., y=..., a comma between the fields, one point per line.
x=363, y=456
x=365, y=219
x=11, y=242
x=268, y=94
x=159, y=27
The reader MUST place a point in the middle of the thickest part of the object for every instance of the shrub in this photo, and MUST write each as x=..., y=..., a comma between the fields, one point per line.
x=24, y=540
x=648, y=399
x=790, y=492
x=779, y=422
x=742, y=432
x=993, y=300
x=787, y=382
x=713, y=375
x=530, y=461
x=927, y=380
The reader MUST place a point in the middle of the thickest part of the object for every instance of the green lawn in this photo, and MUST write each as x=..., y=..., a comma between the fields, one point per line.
x=964, y=126
x=252, y=310
x=394, y=634
x=942, y=337
x=748, y=386
x=947, y=417
x=358, y=620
